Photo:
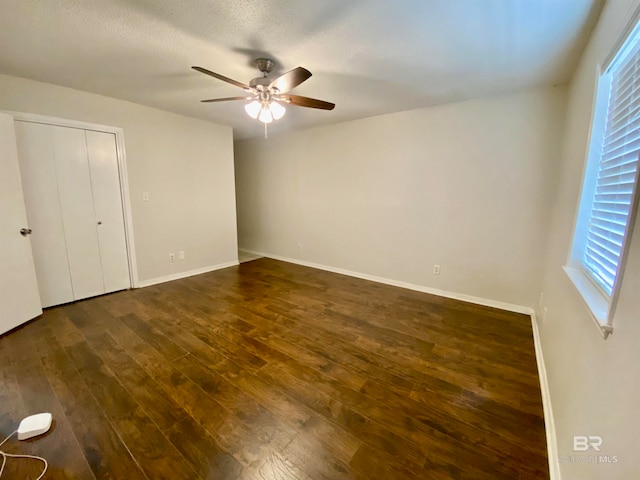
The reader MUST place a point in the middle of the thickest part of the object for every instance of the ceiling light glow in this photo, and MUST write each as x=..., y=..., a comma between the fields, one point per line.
x=253, y=108
x=265, y=115
x=277, y=110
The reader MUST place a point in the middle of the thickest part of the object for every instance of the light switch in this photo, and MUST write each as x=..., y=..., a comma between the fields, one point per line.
x=145, y=196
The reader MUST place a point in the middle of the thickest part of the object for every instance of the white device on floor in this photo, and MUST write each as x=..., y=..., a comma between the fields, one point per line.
x=34, y=425
x=29, y=427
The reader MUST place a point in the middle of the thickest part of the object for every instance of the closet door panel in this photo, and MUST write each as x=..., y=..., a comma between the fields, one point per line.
x=40, y=187
x=78, y=217
x=105, y=180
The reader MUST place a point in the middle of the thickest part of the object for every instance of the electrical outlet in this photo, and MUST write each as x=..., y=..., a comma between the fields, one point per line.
x=300, y=247
x=436, y=269
x=172, y=257
x=181, y=255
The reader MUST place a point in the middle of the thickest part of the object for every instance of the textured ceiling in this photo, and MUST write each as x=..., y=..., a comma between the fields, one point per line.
x=368, y=56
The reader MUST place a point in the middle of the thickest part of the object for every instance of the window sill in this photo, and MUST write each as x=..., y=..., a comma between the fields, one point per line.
x=597, y=304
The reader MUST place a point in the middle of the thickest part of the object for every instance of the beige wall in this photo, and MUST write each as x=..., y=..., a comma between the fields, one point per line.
x=185, y=164
x=464, y=185
x=594, y=384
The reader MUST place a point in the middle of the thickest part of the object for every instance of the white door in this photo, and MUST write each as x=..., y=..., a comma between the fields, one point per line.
x=107, y=202
x=73, y=196
x=40, y=185
x=19, y=297
x=78, y=215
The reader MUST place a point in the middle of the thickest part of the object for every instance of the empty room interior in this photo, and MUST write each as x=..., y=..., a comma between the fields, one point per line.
x=303, y=240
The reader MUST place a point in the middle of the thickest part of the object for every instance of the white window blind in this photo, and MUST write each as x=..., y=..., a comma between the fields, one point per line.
x=617, y=170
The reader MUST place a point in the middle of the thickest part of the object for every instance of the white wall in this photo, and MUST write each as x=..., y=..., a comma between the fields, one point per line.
x=185, y=164
x=594, y=384
x=463, y=185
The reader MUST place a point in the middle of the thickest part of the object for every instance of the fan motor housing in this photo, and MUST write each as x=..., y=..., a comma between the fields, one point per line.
x=264, y=81
x=265, y=65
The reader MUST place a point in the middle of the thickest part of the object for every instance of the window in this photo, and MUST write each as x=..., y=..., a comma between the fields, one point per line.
x=609, y=199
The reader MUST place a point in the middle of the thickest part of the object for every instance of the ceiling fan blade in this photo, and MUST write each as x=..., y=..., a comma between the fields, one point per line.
x=290, y=80
x=225, y=99
x=308, y=102
x=222, y=77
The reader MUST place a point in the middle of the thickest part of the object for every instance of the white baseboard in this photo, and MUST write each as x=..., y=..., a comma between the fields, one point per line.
x=549, y=424
x=397, y=283
x=190, y=273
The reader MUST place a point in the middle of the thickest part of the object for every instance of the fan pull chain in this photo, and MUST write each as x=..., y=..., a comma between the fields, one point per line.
x=265, y=131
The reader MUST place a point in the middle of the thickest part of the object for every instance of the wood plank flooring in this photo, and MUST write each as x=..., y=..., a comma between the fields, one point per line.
x=274, y=371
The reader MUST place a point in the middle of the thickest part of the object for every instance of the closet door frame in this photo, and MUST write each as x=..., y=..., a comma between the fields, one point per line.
x=122, y=171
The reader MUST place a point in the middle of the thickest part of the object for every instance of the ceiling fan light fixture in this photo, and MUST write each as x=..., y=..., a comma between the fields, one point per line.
x=268, y=96
x=265, y=115
x=253, y=108
x=277, y=110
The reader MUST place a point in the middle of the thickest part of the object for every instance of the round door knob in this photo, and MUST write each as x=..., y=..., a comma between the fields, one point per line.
x=25, y=231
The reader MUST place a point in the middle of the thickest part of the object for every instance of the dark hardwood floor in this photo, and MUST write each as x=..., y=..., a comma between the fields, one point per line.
x=273, y=371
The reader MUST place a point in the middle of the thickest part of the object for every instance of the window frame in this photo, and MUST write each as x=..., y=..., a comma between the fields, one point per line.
x=600, y=305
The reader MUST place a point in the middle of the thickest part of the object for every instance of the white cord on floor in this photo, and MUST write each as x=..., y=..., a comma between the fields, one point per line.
x=5, y=455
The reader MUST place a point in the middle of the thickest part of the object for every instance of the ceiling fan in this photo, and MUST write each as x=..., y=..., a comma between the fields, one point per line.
x=265, y=96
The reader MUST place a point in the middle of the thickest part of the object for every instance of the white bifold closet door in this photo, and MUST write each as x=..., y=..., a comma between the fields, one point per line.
x=74, y=206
